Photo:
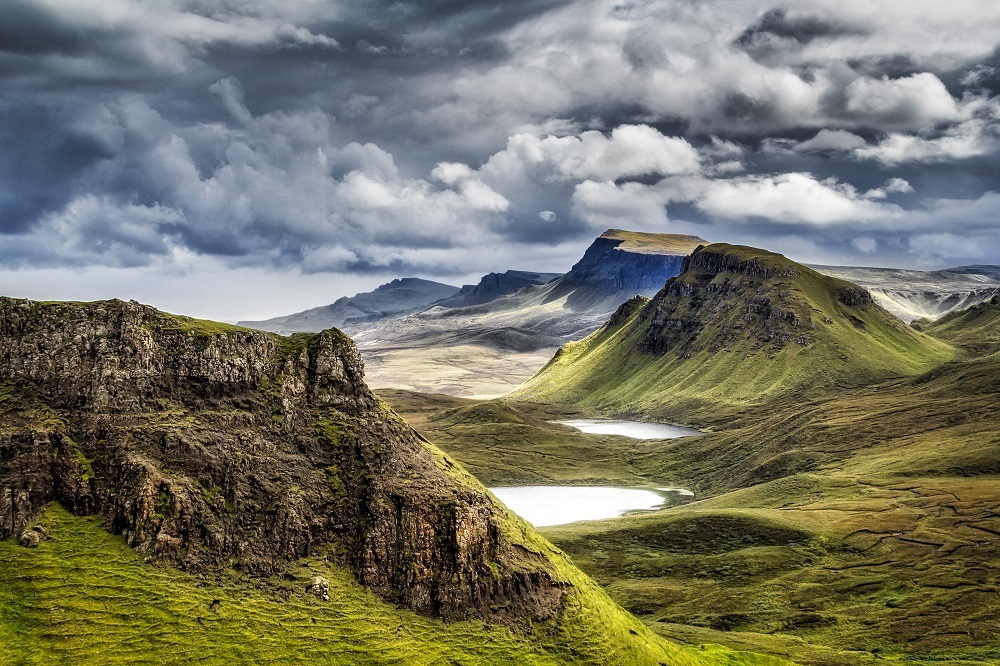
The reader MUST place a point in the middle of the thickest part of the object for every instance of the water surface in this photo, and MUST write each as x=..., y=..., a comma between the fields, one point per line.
x=557, y=505
x=633, y=429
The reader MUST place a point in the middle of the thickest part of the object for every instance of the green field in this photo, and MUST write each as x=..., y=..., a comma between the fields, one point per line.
x=859, y=525
x=83, y=596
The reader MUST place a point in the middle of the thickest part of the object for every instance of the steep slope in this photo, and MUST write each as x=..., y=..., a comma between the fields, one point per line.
x=910, y=294
x=977, y=330
x=739, y=326
x=399, y=297
x=464, y=348
x=494, y=285
x=623, y=263
x=209, y=445
x=228, y=452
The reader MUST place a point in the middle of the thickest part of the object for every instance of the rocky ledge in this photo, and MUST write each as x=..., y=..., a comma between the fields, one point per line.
x=210, y=446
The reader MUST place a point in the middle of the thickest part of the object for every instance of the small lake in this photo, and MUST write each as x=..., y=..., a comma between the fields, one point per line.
x=556, y=505
x=633, y=429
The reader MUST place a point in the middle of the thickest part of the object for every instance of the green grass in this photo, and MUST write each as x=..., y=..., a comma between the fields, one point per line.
x=85, y=597
x=976, y=330
x=725, y=355
x=858, y=527
x=505, y=443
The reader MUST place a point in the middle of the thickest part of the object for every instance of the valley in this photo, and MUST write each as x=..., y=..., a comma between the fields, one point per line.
x=846, y=518
x=804, y=478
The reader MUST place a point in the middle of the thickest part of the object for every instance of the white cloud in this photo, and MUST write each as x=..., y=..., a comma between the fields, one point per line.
x=795, y=198
x=897, y=185
x=964, y=141
x=920, y=100
x=865, y=245
x=630, y=150
x=838, y=140
x=632, y=205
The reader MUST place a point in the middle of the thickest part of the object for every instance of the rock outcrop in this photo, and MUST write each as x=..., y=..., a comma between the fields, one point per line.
x=494, y=285
x=211, y=446
x=725, y=297
x=619, y=264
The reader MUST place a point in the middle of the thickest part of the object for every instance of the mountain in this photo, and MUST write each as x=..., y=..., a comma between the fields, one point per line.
x=738, y=326
x=992, y=272
x=489, y=349
x=910, y=294
x=494, y=285
x=976, y=330
x=256, y=477
x=623, y=263
x=401, y=296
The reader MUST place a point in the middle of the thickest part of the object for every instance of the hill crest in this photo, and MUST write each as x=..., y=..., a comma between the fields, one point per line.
x=739, y=325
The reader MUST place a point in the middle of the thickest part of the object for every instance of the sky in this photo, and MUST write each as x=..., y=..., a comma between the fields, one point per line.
x=246, y=159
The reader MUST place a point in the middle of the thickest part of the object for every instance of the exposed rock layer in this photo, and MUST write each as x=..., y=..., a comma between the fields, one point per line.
x=207, y=446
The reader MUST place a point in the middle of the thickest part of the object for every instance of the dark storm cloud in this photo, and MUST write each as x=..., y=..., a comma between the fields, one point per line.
x=403, y=136
x=776, y=31
x=29, y=29
x=41, y=159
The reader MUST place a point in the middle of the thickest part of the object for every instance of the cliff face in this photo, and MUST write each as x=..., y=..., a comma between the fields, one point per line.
x=727, y=298
x=613, y=268
x=211, y=446
x=494, y=285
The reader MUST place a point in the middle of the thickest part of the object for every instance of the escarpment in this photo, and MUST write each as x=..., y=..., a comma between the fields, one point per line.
x=739, y=326
x=726, y=297
x=210, y=446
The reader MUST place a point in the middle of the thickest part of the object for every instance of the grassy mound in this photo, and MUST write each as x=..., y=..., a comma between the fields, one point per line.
x=738, y=327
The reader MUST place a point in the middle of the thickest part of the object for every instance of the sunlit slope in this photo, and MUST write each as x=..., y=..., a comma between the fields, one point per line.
x=976, y=330
x=739, y=326
x=83, y=596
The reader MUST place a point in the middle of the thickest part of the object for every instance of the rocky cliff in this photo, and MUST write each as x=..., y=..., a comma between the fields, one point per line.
x=494, y=285
x=619, y=264
x=211, y=446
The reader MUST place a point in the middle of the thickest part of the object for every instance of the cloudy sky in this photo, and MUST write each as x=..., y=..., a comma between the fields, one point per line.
x=242, y=159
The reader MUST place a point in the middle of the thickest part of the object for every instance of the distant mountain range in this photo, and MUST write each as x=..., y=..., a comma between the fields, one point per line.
x=485, y=339
x=393, y=299
x=911, y=295
x=494, y=285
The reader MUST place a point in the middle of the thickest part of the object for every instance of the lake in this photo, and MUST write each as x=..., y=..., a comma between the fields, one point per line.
x=556, y=505
x=633, y=429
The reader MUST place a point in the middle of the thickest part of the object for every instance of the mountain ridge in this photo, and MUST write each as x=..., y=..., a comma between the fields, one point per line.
x=394, y=298
x=739, y=325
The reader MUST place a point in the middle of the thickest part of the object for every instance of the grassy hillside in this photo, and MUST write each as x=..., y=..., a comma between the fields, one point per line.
x=818, y=569
x=83, y=596
x=860, y=528
x=739, y=327
x=976, y=330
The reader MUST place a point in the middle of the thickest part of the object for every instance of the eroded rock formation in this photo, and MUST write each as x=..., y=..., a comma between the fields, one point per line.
x=211, y=446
